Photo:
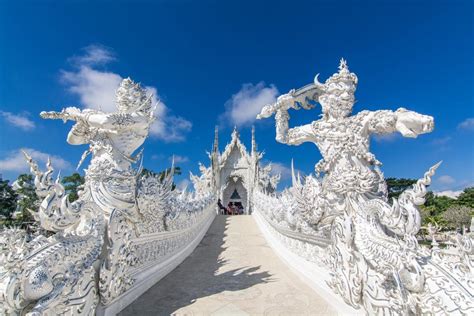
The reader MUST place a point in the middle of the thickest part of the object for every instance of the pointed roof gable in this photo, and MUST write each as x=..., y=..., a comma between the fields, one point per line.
x=234, y=143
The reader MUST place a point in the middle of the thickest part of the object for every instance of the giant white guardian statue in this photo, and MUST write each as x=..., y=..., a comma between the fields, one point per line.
x=372, y=254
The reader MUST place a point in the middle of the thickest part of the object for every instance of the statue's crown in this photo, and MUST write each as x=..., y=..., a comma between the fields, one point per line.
x=131, y=95
x=344, y=75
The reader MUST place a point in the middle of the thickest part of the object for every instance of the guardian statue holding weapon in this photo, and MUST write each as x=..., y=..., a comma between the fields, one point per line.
x=372, y=242
x=112, y=139
x=343, y=140
x=96, y=252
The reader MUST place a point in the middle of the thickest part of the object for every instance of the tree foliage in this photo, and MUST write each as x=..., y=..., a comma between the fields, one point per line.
x=72, y=184
x=395, y=186
x=466, y=198
x=458, y=215
x=27, y=198
x=443, y=211
x=161, y=174
x=438, y=204
x=7, y=199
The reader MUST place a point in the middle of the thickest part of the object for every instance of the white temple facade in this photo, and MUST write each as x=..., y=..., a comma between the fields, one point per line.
x=236, y=172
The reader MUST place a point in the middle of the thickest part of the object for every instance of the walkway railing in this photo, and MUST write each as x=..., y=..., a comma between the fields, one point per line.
x=156, y=254
x=312, y=248
x=304, y=251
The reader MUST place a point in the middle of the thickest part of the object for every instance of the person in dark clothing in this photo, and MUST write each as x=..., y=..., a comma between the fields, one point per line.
x=222, y=209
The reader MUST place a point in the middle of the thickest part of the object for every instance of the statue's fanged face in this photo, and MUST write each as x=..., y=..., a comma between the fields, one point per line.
x=338, y=99
x=337, y=93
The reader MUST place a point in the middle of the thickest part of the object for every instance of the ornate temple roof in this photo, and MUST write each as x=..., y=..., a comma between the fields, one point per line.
x=234, y=143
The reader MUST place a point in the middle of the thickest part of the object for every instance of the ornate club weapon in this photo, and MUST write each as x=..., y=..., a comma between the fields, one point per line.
x=69, y=113
x=295, y=99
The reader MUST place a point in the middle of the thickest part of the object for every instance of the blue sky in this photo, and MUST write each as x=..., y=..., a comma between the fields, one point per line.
x=216, y=62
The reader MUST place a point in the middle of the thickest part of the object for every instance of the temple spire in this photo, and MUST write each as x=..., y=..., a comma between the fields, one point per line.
x=254, y=143
x=215, y=148
x=235, y=133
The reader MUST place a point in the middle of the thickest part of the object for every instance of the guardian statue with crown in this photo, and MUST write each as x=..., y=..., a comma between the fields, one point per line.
x=373, y=255
x=113, y=138
x=342, y=139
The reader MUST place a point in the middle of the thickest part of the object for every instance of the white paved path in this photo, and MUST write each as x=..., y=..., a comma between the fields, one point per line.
x=232, y=272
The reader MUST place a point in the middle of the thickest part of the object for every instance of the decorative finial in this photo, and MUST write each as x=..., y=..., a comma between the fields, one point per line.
x=216, y=139
x=343, y=65
x=254, y=142
x=235, y=133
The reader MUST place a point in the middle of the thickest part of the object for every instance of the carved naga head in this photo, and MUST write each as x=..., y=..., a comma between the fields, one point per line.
x=337, y=93
x=131, y=97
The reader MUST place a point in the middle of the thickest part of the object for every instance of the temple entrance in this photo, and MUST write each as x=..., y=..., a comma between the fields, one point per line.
x=236, y=173
x=234, y=196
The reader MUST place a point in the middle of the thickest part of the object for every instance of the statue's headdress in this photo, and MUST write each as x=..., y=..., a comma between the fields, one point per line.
x=344, y=75
x=131, y=96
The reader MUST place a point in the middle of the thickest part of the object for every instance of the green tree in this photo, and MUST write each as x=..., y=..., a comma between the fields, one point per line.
x=7, y=199
x=458, y=215
x=438, y=204
x=395, y=186
x=27, y=199
x=72, y=185
x=466, y=198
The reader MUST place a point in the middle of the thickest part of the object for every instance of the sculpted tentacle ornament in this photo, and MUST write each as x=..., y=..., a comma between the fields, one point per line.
x=55, y=274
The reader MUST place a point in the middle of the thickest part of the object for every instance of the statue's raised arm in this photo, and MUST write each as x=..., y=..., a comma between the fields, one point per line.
x=133, y=105
x=116, y=134
x=337, y=126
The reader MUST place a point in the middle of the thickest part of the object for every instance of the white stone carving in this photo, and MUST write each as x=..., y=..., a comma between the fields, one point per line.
x=53, y=275
x=128, y=229
x=236, y=169
x=123, y=224
x=373, y=255
x=203, y=183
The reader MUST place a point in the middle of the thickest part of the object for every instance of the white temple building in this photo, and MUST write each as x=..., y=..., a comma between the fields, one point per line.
x=236, y=172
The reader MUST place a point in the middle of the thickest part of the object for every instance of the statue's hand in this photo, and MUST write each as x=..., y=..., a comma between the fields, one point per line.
x=286, y=101
x=72, y=111
x=412, y=124
x=266, y=112
x=283, y=102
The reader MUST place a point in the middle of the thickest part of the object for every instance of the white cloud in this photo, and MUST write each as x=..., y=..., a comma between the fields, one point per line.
x=449, y=193
x=380, y=138
x=467, y=124
x=441, y=141
x=283, y=170
x=184, y=184
x=94, y=55
x=242, y=108
x=156, y=156
x=179, y=159
x=96, y=90
x=19, y=120
x=15, y=161
x=171, y=129
x=445, y=180
x=279, y=168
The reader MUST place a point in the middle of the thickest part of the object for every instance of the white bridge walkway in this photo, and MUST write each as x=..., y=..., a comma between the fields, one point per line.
x=233, y=271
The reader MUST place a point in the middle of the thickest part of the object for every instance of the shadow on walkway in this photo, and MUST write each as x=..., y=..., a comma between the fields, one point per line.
x=197, y=277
